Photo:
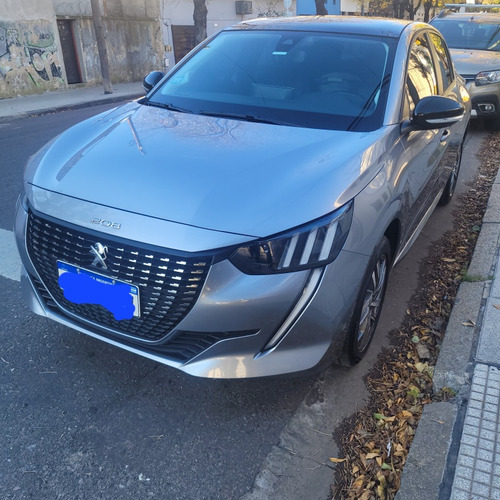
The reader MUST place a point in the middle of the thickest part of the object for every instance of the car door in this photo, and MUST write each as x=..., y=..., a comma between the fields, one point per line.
x=420, y=164
x=451, y=89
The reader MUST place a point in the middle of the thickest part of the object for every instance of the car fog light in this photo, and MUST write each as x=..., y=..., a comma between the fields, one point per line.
x=486, y=108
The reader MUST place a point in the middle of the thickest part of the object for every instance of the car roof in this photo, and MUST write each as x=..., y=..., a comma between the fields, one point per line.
x=334, y=24
x=477, y=17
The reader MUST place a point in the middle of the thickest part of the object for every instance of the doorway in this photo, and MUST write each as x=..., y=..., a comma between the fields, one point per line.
x=183, y=37
x=70, y=56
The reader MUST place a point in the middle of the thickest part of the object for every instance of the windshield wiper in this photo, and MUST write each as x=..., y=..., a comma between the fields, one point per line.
x=369, y=102
x=236, y=116
x=168, y=106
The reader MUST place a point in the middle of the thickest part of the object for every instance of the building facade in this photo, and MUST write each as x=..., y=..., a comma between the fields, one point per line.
x=30, y=52
x=177, y=20
x=51, y=45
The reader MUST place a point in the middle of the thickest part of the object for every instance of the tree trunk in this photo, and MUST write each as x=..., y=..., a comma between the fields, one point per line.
x=427, y=10
x=399, y=8
x=320, y=8
x=412, y=8
x=101, y=45
x=200, y=21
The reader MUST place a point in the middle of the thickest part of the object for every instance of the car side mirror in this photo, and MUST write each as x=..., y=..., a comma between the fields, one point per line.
x=151, y=80
x=436, y=111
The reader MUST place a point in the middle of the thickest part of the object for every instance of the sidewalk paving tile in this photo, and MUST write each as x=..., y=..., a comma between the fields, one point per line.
x=477, y=474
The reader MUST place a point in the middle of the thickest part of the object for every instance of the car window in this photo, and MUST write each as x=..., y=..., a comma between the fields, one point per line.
x=469, y=34
x=445, y=65
x=318, y=80
x=421, y=78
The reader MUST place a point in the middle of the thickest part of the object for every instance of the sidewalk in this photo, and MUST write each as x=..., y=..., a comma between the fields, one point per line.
x=456, y=451
x=67, y=99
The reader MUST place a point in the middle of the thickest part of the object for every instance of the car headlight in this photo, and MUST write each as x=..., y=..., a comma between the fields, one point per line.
x=315, y=244
x=487, y=77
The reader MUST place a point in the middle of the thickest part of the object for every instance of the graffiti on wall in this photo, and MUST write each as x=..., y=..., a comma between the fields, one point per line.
x=29, y=59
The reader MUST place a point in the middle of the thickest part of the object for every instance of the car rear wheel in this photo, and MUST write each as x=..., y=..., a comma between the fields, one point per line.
x=369, y=302
x=449, y=189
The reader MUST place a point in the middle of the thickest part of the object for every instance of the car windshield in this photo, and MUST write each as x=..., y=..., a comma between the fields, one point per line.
x=315, y=80
x=469, y=34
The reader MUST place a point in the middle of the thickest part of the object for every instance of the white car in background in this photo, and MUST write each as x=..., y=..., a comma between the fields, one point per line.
x=474, y=42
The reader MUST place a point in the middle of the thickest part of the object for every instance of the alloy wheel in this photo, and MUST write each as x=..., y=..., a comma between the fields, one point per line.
x=372, y=303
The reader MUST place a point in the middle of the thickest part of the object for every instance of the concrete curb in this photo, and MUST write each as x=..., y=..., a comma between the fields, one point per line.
x=426, y=464
x=453, y=366
x=469, y=339
x=298, y=466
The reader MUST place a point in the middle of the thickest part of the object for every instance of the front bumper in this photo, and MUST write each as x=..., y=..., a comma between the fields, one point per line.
x=485, y=100
x=241, y=325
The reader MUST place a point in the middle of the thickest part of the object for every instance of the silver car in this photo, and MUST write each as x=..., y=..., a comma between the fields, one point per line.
x=474, y=41
x=241, y=220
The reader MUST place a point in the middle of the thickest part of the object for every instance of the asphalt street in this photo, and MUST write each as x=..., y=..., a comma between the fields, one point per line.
x=80, y=416
x=81, y=419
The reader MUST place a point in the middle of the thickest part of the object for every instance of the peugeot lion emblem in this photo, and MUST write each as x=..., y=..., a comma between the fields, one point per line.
x=100, y=253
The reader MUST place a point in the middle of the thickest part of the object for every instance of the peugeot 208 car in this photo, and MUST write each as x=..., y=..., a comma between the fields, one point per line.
x=242, y=218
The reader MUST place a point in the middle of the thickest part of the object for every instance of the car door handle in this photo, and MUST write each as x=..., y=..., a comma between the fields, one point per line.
x=445, y=135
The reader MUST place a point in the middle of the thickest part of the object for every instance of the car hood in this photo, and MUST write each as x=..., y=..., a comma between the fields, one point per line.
x=472, y=62
x=235, y=176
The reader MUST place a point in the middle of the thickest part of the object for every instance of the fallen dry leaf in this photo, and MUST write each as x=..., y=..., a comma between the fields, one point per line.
x=423, y=352
x=420, y=367
x=401, y=381
x=469, y=322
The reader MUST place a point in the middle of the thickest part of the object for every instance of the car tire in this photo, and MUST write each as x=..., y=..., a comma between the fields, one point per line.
x=369, y=303
x=451, y=184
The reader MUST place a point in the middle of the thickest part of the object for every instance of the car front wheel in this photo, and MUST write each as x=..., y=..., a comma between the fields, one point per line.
x=369, y=303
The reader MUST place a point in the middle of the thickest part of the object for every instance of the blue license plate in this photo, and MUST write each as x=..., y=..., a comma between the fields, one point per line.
x=82, y=286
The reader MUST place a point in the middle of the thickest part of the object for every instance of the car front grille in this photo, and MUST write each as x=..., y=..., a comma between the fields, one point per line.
x=169, y=284
x=181, y=345
x=469, y=78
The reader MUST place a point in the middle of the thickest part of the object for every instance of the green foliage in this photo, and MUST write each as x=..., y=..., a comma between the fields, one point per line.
x=405, y=9
x=380, y=8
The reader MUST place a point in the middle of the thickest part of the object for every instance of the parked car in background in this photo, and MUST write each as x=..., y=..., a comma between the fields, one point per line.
x=241, y=220
x=474, y=41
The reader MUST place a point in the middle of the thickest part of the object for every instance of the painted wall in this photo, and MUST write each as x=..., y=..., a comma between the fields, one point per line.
x=30, y=54
x=221, y=13
x=134, y=49
x=353, y=6
x=31, y=57
x=133, y=36
x=308, y=7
